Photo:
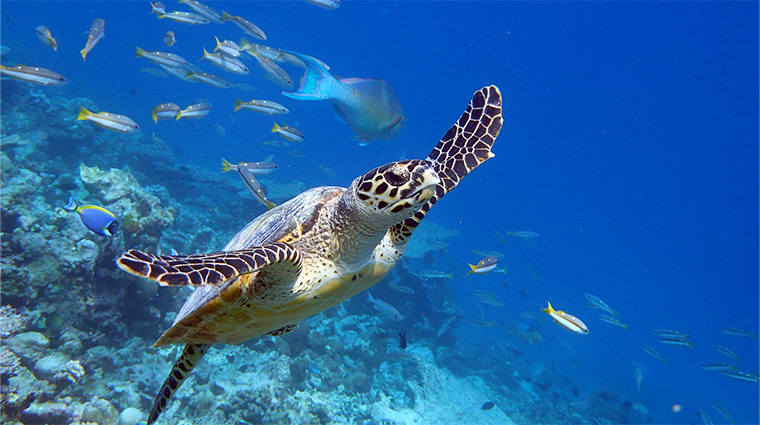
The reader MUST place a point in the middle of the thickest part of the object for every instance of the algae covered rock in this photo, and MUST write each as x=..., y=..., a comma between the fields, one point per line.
x=138, y=210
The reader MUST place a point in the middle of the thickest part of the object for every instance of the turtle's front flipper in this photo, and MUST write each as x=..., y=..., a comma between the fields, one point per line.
x=466, y=145
x=190, y=357
x=209, y=269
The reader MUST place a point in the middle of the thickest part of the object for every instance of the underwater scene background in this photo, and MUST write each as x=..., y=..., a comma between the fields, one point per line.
x=629, y=149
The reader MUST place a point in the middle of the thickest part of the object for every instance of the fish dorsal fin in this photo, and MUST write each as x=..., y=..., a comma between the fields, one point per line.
x=215, y=268
x=463, y=148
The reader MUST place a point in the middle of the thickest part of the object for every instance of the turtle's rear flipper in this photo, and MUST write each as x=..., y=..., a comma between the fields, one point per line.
x=190, y=357
x=466, y=145
x=210, y=269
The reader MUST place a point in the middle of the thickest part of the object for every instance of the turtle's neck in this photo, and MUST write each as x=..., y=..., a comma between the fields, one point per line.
x=359, y=232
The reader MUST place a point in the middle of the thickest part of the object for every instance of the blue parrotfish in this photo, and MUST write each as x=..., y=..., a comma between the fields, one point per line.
x=97, y=219
x=369, y=106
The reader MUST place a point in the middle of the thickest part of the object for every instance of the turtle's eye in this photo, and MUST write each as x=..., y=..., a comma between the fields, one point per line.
x=397, y=177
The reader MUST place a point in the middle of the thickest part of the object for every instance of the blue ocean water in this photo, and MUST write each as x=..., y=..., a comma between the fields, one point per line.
x=630, y=145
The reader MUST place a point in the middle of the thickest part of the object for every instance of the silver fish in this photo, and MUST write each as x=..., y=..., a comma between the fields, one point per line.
x=43, y=33
x=158, y=8
x=225, y=62
x=268, y=52
x=612, y=320
x=676, y=341
x=185, y=18
x=109, y=121
x=597, y=303
x=523, y=234
x=165, y=111
x=245, y=25
x=96, y=34
x=433, y=274
x=274, y=72
x=197, y=110
x=256, y=168
x=386, y=310
x=403, y=289
x=288, y=133
x=162, y=58
x=210, y=79
x=445, y=326
x=325, y=4
x=228, y=48
x=34, y=75
x=719, y=366
x=740, y=376
x=254, y=188
x=266, y=107
x=203, y=10
x=722, y=410
x=328, y=171
x=737, y=332
x=652, y=352
x=727, y=352
x=669, y=333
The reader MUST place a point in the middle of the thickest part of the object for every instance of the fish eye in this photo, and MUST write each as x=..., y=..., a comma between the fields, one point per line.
x=397, y=177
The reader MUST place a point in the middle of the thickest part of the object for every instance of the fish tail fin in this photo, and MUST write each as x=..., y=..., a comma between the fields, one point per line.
x=370, y=298
x=227, y=166
x=190, y=357
x=238, y=105
x=244, y=43
x=140, y=52
x=155, y=117
x=270, y=204
x=217, y=42
x=179, y=114
x=472, y=269
x=83, y=113
x=71, y=205
x=316, y=84
x=549, y=309
x=275, y=127
x=205, y=53
x=83, y=52
x=182, y=1
x=162, y=16
x=225, y=16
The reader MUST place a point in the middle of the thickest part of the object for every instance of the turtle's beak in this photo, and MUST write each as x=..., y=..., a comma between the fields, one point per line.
x=427, y=187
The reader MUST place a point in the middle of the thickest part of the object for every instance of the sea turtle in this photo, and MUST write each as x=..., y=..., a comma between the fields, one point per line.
x=313, y=252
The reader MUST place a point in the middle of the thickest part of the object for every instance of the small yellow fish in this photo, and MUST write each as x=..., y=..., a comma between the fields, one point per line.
x=567, y=321
x=95, y=35
x=165, y=111
x=197, y=110
x=109, y=121
x=288, y=133
x=484, y=266
x=45, y=37
x=34, y=75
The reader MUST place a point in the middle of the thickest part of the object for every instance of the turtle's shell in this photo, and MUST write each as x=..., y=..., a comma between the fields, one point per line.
x=284, y=223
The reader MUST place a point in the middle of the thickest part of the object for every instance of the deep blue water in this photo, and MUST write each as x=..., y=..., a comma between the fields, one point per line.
x=630, y=144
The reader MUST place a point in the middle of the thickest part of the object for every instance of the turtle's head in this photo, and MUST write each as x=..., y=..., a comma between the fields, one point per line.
x=396, y=190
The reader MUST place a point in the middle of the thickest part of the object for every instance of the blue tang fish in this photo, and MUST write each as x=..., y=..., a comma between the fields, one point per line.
x=97, y=219
x=370, y=107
